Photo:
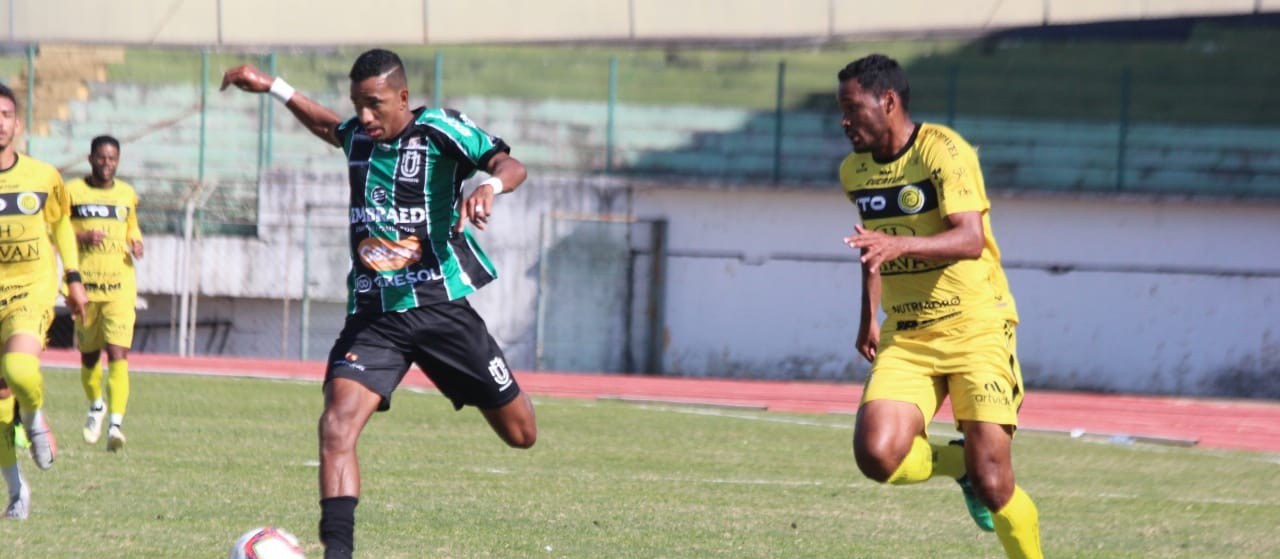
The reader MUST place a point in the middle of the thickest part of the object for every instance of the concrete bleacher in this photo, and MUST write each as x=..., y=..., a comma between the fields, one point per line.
x=159, y=126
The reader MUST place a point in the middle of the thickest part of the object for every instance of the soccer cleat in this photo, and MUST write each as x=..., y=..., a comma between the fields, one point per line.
x=93, y=424
x=115, y=438
x=19, y=506
x=43, y=446
x=20, y=436
x=977, y=511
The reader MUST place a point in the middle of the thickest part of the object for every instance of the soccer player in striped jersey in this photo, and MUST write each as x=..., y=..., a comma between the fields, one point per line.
x=930, y=261
x=104, y=216
x=413, y=262
x=34, y=217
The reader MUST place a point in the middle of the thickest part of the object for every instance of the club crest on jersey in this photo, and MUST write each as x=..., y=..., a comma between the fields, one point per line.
x=410, y=164
x=28, y=203
x=911, y=199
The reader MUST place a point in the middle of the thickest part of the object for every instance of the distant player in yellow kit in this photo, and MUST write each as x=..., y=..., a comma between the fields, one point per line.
x=34, y=215
x=103, y=213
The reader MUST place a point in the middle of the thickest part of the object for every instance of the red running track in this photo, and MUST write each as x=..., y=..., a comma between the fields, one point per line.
x=1227, y=424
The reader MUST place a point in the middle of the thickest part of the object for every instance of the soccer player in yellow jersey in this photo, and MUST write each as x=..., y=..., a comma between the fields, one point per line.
x=34, y=215
x=103, y=213
x=930, y=261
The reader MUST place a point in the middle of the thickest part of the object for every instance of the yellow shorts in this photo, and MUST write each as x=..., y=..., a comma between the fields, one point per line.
x=26, y=308
x=106, y=322
x=976, y=364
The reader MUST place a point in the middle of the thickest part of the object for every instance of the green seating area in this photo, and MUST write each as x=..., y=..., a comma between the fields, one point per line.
x=1198, y=114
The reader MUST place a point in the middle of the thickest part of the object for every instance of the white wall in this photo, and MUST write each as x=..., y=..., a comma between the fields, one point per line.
x=1142, y=294
x=1159, y=300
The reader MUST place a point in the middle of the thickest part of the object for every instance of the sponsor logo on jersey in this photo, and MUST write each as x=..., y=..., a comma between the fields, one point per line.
x=379, y=195
x=407, y=278
x=22, y=251
x=120, y=213
x=375, y=214
x=385, y=255
x=3, y=204
x=10, y=230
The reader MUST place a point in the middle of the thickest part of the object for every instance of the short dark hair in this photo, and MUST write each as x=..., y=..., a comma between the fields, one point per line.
x=878, y=73
x=8, y=94
x=103, y=140
x=377, y=62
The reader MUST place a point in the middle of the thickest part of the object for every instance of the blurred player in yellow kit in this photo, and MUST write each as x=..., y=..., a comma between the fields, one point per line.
x=34, y=215
x=106, y=225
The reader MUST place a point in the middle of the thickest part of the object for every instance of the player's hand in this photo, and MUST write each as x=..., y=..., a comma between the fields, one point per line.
x=477, y=208
x=135, y=247
x=76, y=300
x=247, y=77
x=92, y=237
x=869, y=340
x=877, y=248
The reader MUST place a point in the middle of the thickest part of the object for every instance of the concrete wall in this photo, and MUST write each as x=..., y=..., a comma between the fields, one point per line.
x=332, y=22
x=1127, y=294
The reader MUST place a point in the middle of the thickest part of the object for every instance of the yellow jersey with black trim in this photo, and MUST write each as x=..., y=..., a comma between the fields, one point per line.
x=107, y=267
x=934, y=176
x=32, y=199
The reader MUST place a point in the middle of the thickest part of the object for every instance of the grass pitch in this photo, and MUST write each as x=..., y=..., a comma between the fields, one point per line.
x=209, y=458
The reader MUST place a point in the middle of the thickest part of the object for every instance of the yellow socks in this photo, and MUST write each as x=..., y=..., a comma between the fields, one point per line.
x=22, y=371
x=117, y=389
x=1018, y=526
x=8, y=455
x=91, y=381
x=926, y=460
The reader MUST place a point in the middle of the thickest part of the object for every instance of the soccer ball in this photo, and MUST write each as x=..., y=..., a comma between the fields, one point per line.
x=267, y=543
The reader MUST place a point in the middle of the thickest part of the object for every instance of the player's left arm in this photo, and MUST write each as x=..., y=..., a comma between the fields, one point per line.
x=134, y=235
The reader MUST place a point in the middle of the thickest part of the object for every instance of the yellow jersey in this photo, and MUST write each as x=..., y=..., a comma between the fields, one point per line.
x=935, y=175
x=107, y=268
x=32, y=200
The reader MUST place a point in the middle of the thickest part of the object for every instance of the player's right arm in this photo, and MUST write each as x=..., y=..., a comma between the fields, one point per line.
x=868, y=326
x=319, y=119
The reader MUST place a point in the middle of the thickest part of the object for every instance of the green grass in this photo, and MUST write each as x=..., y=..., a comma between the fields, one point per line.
x=209, y=458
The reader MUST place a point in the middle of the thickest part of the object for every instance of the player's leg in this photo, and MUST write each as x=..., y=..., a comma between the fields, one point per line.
x=986, y=406
x=89, y=342
x=348, y=406
x=19, y=503
x=117, y=327
x=890, y=440
x=466, y=364
x=365, y=366
x=514, y=422
x=21, y=370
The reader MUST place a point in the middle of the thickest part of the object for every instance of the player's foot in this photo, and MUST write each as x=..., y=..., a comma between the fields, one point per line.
x=43, y=446
x=20, y=436
x=977, y=511
x=93, y=424
x=115, y=438
x=20, y=506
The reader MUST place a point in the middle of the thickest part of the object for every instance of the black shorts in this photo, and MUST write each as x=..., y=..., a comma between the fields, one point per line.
x=448, y=341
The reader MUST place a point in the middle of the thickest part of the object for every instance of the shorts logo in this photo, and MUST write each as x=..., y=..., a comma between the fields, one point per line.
x=994, y=396
x=384, y=255
x=910, y=199
x=28, y=203
x=349, y=360
x=501, y=375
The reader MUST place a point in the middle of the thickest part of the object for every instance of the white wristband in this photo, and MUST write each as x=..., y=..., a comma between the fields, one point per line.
x=281, y=90
x=496, y=183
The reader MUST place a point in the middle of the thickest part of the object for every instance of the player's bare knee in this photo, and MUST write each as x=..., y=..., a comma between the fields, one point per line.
x=521, y=437
x=336, y=435
x=992, y=486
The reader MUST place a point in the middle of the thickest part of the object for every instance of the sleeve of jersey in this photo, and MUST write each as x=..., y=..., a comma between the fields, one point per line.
x=476, y=145
x=958, y=178
x=58, y=213
x=131, y=222
x=343, y=130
